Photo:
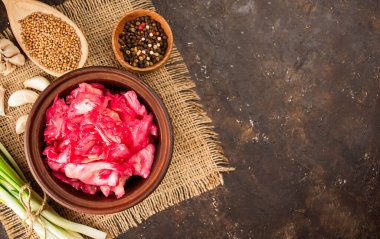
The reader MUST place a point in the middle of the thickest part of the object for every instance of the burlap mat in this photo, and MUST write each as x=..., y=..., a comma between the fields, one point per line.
x=197, y=160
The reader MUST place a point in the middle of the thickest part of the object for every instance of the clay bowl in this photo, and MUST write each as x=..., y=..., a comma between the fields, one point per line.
x=136, y=188
x=119, y=28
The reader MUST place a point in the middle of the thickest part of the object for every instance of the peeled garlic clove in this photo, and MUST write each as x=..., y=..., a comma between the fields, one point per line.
x=38, y=83
x=21, y=124
x=9, y=68
x=2, y=67
x=17, y=60
x=2, y=94
x=10, y=51
x=4, y=43
x=22, y=97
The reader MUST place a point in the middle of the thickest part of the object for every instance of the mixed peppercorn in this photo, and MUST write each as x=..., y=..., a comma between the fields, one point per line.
x=143, y=42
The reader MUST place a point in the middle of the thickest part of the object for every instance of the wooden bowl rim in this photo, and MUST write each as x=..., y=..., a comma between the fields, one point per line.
x=115, y=37
x=47, y=184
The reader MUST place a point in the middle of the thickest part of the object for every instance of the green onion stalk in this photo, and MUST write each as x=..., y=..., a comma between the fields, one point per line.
x=47, y=224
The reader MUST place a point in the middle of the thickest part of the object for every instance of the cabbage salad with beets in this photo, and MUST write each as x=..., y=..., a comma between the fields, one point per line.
x=97, y=139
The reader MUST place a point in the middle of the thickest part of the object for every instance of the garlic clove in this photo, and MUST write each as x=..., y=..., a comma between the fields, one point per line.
x=2, y=67
x=9, y=68
x=2, y=94
x=21, y=124
x=22, y=97
x=38, y=83
x=4, y=43
x=17, y=60
x=10, y=51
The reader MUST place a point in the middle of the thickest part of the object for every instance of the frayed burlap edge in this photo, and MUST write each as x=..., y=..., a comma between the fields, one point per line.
x=178, y=71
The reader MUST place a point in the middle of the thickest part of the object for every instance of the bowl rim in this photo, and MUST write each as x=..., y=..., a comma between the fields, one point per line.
x=169, y=34
x=43, y=183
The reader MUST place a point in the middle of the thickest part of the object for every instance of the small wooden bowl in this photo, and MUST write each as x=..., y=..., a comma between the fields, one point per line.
x=136, y=188
x=119, y=28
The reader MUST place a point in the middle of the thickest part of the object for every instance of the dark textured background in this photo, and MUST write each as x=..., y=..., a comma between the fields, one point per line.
x=293, y=89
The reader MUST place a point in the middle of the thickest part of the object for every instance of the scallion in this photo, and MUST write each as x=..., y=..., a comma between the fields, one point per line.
x=12, y=180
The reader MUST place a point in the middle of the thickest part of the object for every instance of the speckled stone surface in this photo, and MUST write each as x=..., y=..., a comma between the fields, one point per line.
x=293, y=89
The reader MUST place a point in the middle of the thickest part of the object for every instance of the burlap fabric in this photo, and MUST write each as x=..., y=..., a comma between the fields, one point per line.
x=197, y=160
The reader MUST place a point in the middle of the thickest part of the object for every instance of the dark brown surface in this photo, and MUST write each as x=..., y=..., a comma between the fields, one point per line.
x=119, y=29
x=66, y=195
x=293, y=89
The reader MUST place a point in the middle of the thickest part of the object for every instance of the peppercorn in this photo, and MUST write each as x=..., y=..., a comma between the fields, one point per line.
x=141, y=38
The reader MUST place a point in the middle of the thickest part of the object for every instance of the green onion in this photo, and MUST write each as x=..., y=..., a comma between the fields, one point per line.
x=12, y=161
x=12, y=180
x=15, y=205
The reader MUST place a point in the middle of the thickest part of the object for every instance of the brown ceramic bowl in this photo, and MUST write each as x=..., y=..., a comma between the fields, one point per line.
x=136, y=188
x=119, y=28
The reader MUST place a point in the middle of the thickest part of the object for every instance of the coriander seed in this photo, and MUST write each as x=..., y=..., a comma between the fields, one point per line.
x=51, y=42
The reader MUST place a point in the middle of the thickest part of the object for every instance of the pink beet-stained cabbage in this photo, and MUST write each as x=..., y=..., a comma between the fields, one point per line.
x=96, y=140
